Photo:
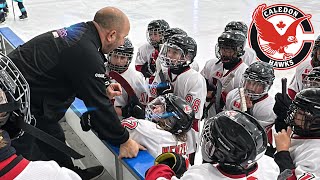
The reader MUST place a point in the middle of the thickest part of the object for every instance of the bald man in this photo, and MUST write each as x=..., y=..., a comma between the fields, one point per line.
x=62, y=64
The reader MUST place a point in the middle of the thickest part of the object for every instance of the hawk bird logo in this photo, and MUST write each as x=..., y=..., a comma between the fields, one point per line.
x=276, y=43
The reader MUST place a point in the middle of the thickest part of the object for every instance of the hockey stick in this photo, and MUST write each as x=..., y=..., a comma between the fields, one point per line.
x=220, y=88
x=284, y=87
x=126, y=86
x=14, y=14
x=49, y=139
x=243, y=100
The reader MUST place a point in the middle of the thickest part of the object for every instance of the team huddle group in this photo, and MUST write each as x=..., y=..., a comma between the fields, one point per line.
x=230, y=95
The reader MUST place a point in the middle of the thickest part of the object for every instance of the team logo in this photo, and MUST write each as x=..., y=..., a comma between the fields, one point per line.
x=281, y=35
x=187, y=109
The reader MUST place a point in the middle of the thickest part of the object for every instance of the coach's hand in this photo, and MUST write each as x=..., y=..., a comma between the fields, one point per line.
x=130, y=149
x=113, y=90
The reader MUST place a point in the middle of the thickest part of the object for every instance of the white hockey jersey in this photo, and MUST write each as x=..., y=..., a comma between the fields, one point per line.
x=138, y=83
x=189, y=85
x=144, y=54
x=262, y=110
x=249, y=56
x=301, y=71
x=194, y=65
x=46, y=170
x=267, y=170
x=212, y=71
x=305, y=154
x=157, y=140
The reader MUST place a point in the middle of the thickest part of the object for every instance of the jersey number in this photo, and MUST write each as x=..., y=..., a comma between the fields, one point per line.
x=129, y=123
x=194, y=103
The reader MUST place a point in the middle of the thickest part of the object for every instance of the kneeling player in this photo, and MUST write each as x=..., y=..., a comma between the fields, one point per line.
x=257, y=81
x=119, y=61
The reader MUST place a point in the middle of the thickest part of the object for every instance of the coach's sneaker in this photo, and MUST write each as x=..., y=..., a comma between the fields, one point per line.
x=89, y=173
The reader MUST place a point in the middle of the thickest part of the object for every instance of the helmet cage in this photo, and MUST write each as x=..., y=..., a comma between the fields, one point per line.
x=304, y=121
x=119, y=68
x=177, y=58
x=311, y=82
x=165, y=111
x=251, y=86
x=154, y=32
x=16, y=89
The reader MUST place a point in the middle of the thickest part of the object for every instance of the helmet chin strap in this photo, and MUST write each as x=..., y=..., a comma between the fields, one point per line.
x=234, y=169
x=179, y=69
x=315, y=61
x=231, y=64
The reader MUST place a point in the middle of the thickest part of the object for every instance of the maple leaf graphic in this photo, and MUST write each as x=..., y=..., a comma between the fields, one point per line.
x=281, y=25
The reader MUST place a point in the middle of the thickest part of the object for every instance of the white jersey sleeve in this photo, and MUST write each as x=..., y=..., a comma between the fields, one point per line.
x=144, y=54
x=212, y=71
x=301, y=71
x=262, y=110
x=46, y=170
x=249, y=56
x=138, y=84
x=191, y=86
x=155, y=139
x=267, y=170
x=305, y=154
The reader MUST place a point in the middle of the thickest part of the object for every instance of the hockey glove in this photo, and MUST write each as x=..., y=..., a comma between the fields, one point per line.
x=134, y=110
x=85, y=121
x=145, y=70
x=280, y=108
x=175, y=161
x=164, y=88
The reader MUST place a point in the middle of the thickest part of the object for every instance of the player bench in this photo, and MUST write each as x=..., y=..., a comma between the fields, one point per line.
x=106, y=153
x=9, y=40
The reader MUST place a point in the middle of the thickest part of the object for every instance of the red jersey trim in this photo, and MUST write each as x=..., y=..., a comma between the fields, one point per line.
x=238, y=176
x=240, y=62
x=14, y=172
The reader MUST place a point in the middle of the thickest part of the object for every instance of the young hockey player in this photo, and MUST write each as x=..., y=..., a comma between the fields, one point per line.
x=298, y=154
x=232, y=139
x=119, y=60
x=257, y=81
x=148, y=53
x=225, y=73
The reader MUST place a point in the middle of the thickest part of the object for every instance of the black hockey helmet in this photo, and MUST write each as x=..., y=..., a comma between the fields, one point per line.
x=312, y=79
x=233, y=138
x=316, y=47
x=258, y=75
x=237, y=25
x=304, y=113
x=173, y=31
x=124, y=53
x=156, y=27
x=230, y=40
x=179, y=51
x=172, y=113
